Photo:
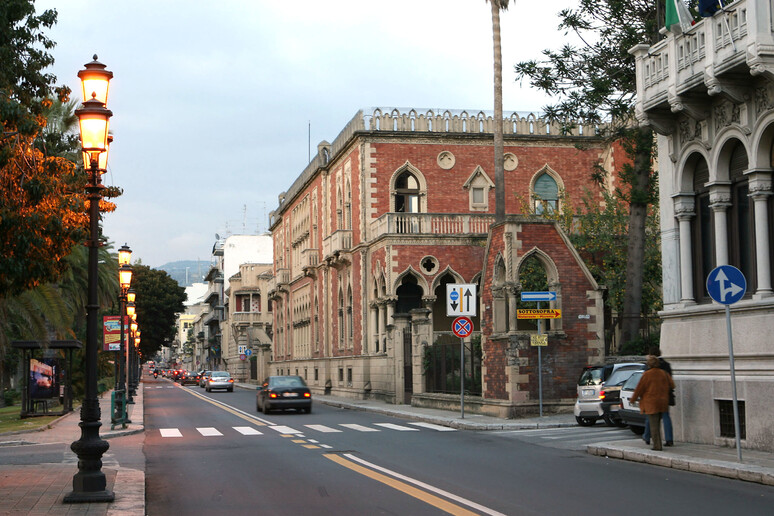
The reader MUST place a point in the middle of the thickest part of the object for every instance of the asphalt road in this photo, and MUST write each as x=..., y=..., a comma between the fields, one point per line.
x=208, y=452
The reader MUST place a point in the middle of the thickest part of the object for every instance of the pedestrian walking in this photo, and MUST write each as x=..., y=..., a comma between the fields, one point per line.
x=653, y=393
x=666, y=419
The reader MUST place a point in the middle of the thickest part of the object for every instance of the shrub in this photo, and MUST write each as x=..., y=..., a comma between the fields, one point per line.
x=11, y=396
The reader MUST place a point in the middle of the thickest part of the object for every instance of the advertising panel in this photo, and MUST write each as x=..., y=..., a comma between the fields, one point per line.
x=111, y=332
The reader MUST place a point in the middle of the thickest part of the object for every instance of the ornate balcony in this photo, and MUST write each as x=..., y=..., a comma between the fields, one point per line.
x=283, y=277
x=717, y=57
x=309, y=258
x=431, y=223
x=338, y=241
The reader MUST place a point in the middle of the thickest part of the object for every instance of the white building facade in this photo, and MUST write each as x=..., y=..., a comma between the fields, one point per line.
x=709, y=94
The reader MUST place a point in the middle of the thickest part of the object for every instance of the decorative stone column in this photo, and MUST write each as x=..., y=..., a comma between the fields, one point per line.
x=510, y=293
x=684, y=213
x=720, y=201
x=422, y=337
x=760, y=189
x=400, y=327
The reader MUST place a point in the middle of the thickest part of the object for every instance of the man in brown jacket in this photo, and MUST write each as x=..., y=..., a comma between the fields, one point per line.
x=653, y=391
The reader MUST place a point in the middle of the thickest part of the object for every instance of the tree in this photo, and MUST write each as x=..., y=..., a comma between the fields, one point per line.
x=159, y=300
x=497, y=6
x=595, y=82
x=41, y=196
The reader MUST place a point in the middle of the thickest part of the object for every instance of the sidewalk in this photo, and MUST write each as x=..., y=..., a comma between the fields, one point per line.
x=40, y=488
x=757, y=466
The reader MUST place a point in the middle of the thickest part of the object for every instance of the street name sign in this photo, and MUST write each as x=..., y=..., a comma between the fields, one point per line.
x=538, y=296
x=539, y=313
x=726, y=284
x=461, y=299
x=462, y=327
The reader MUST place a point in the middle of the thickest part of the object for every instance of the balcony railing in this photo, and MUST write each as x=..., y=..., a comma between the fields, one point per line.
x=430, y=223
x=309, y=258
x=283, y=276
x=695, y=59
x=340, y=240
x=241, y=318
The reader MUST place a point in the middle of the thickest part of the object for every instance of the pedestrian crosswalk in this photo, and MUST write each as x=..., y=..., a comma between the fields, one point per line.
x=304, y=429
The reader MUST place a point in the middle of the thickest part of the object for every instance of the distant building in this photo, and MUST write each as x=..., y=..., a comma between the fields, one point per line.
x=400, y=205
x=709, y=94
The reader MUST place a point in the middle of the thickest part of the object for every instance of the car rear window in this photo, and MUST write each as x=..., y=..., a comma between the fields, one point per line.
x=619, y=376
x=591, y=376
x=288, y=381
x=219, y=373
x=632, y=382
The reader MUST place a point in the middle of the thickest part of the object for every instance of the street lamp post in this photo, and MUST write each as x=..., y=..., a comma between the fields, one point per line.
x=131, y=296
x=89, y=483
x=124, y=280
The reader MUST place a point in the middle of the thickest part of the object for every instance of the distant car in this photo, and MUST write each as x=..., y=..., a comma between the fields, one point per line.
x=187, y=377
x=176, y=374
x=283, y=392
x=630, y=412
x=588, y=407
x=203, y=377
x=220, y=380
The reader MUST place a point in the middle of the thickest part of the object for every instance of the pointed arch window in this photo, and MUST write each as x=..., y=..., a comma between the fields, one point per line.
x=406, y=193
x=545, y=194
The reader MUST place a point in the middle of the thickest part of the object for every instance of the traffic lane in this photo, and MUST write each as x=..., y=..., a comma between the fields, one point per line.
x=278, y=475
x=521, y=478
x=494, y=461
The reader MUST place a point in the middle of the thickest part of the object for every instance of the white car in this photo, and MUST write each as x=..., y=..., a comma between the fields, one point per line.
x=220, y=380
x=630, y=412
x=588, y=407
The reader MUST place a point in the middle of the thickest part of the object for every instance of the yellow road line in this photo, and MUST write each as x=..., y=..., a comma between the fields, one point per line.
x=433, y=500
x=227, y=409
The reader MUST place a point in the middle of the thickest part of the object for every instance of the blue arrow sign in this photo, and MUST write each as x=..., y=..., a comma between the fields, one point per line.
x=538, y=296
x=726, y=284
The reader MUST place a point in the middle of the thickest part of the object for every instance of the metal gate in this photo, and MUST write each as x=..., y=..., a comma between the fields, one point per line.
x=408, y=377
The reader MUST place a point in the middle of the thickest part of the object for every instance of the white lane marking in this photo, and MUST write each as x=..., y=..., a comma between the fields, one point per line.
x=323, y=428
x=208, y=431
x=399, y=428
x=247, y=430
x=326, y=446
x=432, y=426
x=285, y=429
x=313, y=441
x=427, y=487
x=170, y=432
x=359, y=428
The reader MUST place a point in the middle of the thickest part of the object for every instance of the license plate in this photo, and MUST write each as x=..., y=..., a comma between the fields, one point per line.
x=587, y=392
x=290, y=394
x=614, y=408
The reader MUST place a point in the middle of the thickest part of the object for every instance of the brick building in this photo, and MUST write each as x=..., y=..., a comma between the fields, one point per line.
x=398, y=206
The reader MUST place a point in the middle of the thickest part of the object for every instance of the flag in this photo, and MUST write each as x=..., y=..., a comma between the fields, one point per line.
x=678, y=17
x=709, y=7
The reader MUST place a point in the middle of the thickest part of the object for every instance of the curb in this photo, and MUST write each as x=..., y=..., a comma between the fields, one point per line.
x=718, y=468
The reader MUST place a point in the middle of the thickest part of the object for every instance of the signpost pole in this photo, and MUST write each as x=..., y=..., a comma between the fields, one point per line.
x=733, y=384
x=540, y=366
x=462, y=378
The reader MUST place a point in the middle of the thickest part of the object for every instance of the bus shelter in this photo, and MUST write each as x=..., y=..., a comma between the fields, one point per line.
x=47, y=386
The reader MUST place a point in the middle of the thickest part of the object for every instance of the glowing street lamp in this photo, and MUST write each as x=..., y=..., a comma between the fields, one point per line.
x=89, y=483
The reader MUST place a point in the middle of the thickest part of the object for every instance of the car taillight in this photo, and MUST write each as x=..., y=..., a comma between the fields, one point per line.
x=231, y=380
x=272, y=394
x=602, y=395
x=307, y=395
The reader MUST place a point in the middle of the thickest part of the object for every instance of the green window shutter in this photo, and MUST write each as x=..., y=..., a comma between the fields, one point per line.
x=546, y=189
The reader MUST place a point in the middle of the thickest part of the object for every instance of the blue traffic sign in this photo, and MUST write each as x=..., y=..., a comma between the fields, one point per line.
x=726, y=284
x=538, y=296
x=462, y=327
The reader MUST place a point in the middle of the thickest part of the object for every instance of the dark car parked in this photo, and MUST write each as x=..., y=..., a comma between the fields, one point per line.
x=610, y=396
x=283, y=392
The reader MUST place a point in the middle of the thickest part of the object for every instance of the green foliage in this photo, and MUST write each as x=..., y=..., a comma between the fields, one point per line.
x=11, y=396
x=639, y=345
x=159, y=299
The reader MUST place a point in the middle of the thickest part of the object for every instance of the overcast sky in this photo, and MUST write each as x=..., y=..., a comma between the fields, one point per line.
x=213, y=101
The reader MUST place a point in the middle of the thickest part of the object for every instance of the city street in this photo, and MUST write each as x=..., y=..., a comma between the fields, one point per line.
x=213, y=451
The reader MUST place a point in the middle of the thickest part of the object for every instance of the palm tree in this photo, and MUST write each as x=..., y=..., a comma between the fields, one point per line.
x=497, y=6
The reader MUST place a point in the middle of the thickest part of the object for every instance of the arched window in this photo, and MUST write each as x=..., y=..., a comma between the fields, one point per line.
x=409, y=295
x=545, y=194
x=702, y=232
x=741, y=241
x=406, y=193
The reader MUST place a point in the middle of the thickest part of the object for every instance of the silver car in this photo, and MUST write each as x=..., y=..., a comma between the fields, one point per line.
x=220, y=380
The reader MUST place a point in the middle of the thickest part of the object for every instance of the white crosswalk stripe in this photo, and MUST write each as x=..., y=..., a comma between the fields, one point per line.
x=247, y=430
x=285, y=429
x=359, y=428
x=208, y=431
x=170, y=432
x=432, y=426
x=322, y=428
x=399, y=428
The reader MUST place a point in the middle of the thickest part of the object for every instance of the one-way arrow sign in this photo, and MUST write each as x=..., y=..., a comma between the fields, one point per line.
x=461, y=299
x=538, y=296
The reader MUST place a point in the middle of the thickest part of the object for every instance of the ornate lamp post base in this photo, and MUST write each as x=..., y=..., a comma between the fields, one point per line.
x=89, y=484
